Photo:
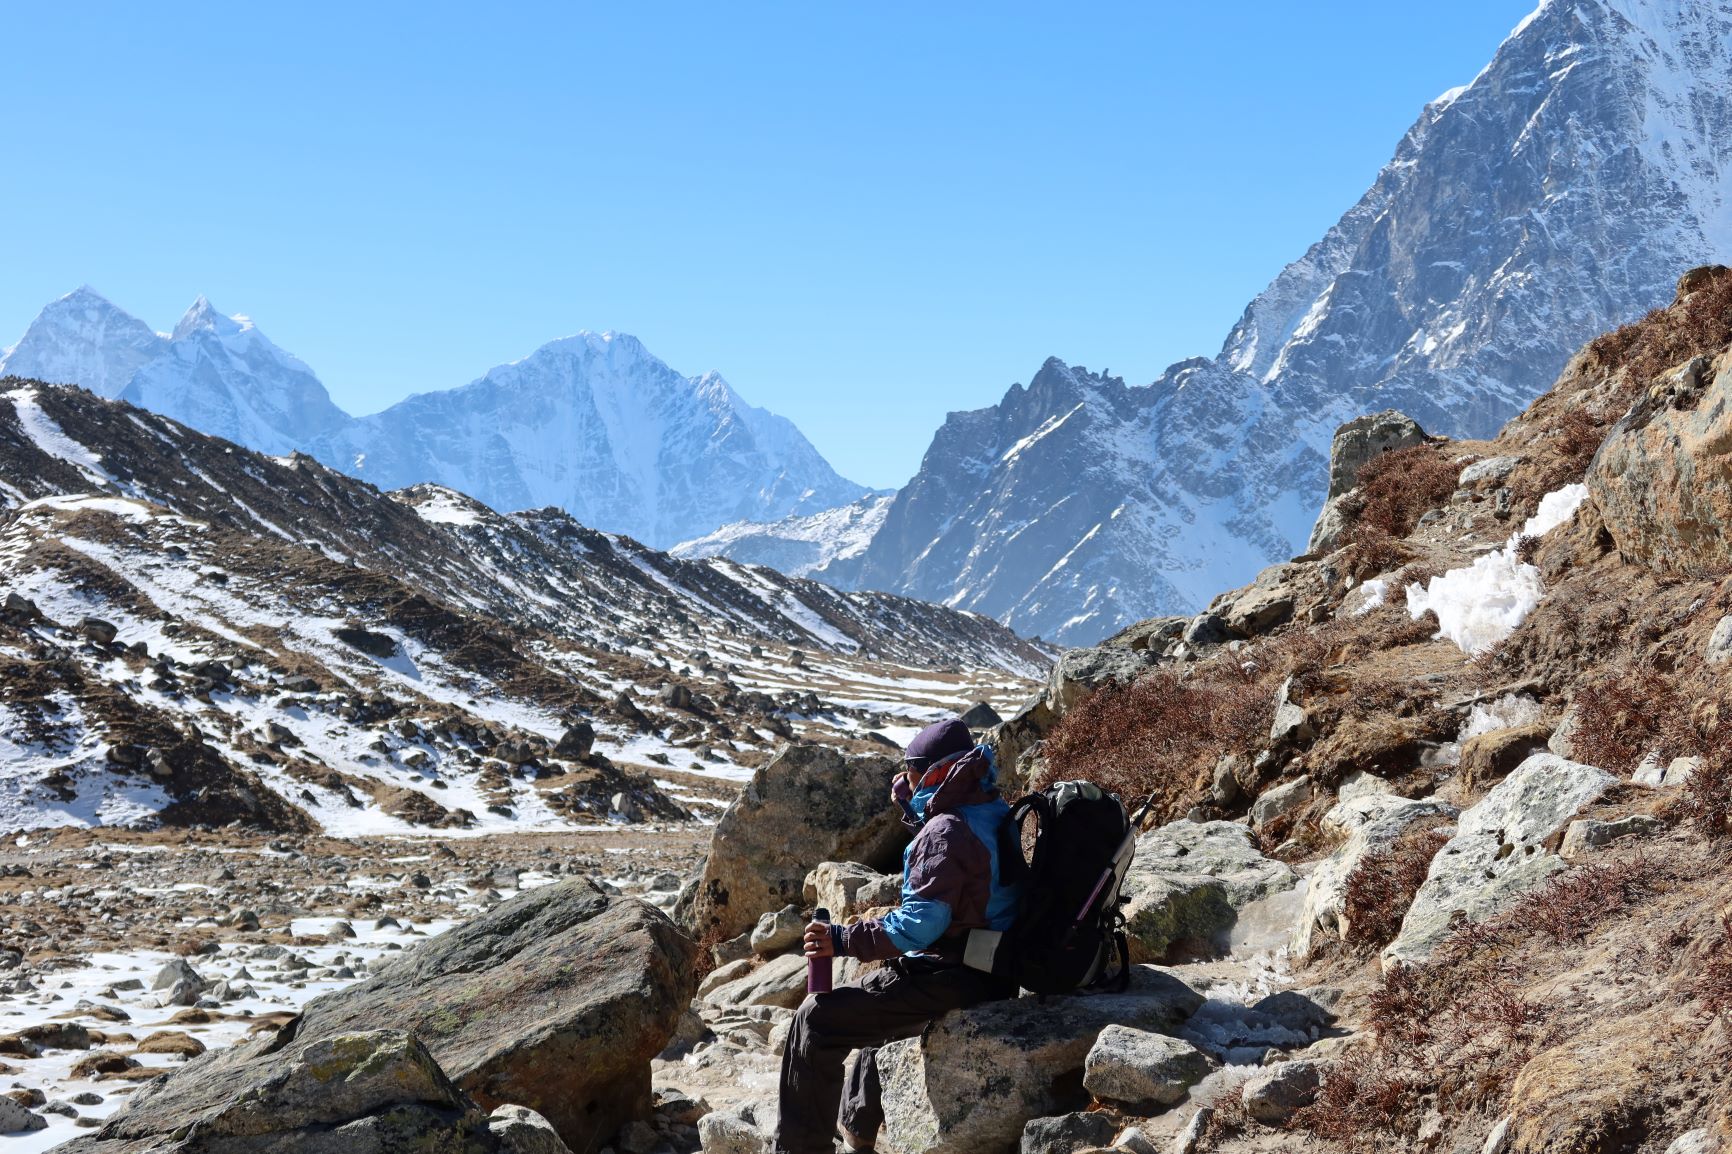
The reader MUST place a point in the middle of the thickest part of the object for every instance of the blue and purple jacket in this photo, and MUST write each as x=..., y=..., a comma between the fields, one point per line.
x=950, y=872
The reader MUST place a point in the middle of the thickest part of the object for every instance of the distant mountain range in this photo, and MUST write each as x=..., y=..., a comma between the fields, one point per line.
x=592, y=424
x=1558, y=194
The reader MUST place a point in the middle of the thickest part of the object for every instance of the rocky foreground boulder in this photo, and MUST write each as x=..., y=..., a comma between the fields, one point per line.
x=364, y=1092
x=1500, y=851
x=1188, y=883
x=808, y=805
x=1663, y=479
x=556, y=1000
x=975, y=1078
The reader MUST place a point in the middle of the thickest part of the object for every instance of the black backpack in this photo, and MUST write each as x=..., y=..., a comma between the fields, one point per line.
x=1070, y=924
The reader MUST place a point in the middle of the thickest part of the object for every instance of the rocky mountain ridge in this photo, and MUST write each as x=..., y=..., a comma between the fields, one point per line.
x=196, y=633
x=1559, y=193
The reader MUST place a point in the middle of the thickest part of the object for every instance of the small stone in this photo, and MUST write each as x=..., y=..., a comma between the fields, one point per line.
x=1275, y=1095
x=1281, y=800
x=778, y=931
x=1067, y=1134
x=1141, y=1071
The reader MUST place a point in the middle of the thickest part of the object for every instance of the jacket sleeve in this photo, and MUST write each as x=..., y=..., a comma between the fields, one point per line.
x=934, y=879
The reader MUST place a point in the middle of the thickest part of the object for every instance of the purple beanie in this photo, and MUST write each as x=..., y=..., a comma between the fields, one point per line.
x=937, y=742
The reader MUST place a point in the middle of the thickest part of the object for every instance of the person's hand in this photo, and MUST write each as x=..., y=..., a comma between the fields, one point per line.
x=901, y=789
x=818, y=943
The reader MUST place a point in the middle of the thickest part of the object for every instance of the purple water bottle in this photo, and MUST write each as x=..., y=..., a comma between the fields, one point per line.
x=818, y=970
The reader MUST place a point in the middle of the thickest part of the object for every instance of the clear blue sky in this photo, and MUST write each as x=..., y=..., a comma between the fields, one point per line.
x=863, y=214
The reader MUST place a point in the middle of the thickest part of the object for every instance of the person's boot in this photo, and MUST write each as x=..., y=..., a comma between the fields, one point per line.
x=854, y=1144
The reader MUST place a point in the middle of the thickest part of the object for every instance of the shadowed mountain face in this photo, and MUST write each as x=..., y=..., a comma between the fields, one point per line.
x=1560, y=193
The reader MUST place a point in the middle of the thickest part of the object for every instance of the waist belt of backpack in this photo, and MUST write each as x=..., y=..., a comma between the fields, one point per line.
x=987, y=951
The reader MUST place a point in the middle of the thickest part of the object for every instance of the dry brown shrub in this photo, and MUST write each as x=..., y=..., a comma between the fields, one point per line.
x=1359, y=1100
x=1398, y=487
x=1570, y=440
x=1150, y=739
x=707, y=943
x=1707, y=801
x=1381, y=889
x=1572, y=904
x=1373, y=551
x=1666, y=337
x=1622, y=718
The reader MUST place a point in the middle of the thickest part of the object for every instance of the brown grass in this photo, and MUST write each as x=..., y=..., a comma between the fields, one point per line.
x=1707, y=801
x=1622, y=718
x=1669, y=336
x=1712, y=984
x=1382, y=887
x=1569, y=907
x=1157, y=739
x=1461, y=1027
x=1151, y=739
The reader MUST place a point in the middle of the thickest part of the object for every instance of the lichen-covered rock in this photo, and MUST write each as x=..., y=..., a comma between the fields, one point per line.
x=555, y=1000
x=520, y=1130
x=778, y=982
x=974, y=1078
x=1079, y=672
x=1189, y=881
x=747, y=1129
x=1372, y=822
x=810, y=804
x=1662, y=480
x=1281, y=800
x=777, y=931
x=1498, y=852
x=1142, y=1071
x=1067, y=1134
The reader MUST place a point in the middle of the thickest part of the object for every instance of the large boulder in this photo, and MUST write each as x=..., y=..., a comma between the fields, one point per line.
x=1374, y=821
x=1355, y=444
x=1498, y=852
x=1079, y=672
x=1362, y=439
x=555, y=1000
x=974, y=1078
x=809, y=805
x=1662, y=481
x=1188, y=882
x=373, y=1092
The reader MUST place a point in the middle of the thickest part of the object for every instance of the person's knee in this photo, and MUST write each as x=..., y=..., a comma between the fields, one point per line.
x=819, y=1016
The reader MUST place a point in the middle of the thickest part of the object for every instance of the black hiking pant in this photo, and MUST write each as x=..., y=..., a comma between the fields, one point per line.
x=890, y=1003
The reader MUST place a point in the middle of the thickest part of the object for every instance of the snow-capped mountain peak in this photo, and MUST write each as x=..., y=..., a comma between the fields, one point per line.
x=83, y=338
x=204, y=317
x=1559, y=194
x=599, y=426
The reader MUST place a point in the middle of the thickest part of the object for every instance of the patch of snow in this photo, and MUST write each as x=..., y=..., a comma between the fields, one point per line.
x=1480, y=604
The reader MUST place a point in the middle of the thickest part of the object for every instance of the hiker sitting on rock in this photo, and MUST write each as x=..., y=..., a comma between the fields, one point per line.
x=950, y=885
